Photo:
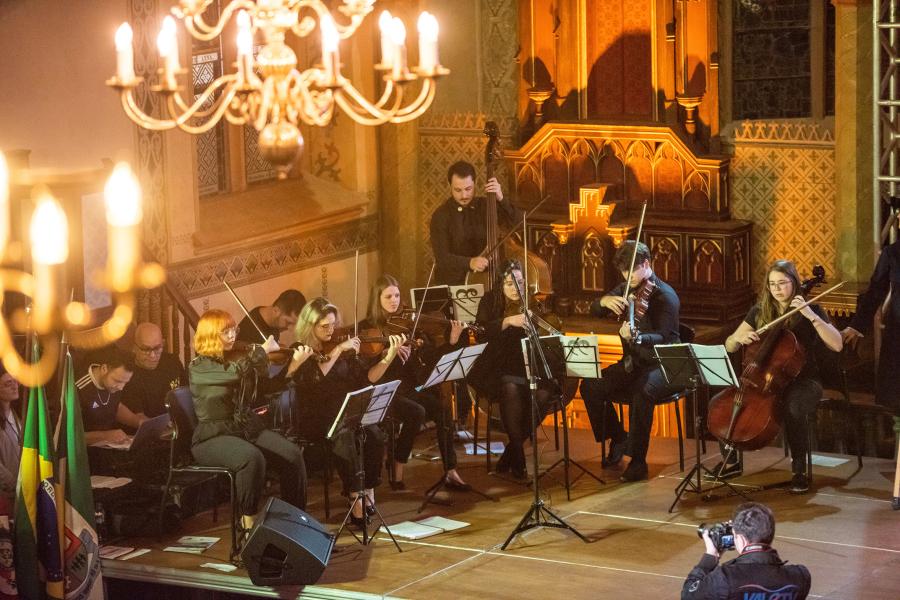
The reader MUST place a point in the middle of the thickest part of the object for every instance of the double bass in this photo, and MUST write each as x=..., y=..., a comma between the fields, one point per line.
x=748, y=417
x=498, y=248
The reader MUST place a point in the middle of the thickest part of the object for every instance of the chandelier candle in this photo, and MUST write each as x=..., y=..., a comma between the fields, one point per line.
x=428, y=36
x=49, y=249
x=124, y=53
x=331, y=61
x=387, y=46
x=122, y=195
x=398, y=41
x=167, y=43
x=244, y=48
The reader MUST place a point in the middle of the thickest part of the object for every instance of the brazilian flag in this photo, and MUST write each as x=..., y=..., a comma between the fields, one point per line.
x=38, y=557
x=81, y=551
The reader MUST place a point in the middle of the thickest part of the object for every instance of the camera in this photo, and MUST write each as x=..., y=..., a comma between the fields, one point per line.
x=721, y=534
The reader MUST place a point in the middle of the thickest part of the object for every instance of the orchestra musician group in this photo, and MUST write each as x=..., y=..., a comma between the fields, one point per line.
x=331, y=358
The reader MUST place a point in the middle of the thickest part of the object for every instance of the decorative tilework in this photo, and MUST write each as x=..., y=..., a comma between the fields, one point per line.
x=782, y=179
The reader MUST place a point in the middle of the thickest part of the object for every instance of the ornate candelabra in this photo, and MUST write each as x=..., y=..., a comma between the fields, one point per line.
x=50, y=315
x=267, y=90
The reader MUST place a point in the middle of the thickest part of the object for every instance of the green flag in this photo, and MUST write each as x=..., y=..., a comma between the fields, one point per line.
x=81, y=551
x=37, y=550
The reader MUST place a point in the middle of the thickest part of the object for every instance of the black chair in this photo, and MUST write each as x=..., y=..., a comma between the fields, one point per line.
x=687, y=334
x=180, y=405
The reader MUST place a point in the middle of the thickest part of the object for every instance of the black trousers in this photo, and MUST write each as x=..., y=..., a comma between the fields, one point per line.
x=248, y=461
x=412, y=412
x=641, y=389
x=344, y=447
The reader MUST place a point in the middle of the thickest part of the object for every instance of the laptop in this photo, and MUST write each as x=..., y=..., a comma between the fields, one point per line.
x=148, y=433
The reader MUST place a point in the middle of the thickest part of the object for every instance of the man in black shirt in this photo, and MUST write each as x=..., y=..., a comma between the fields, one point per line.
x=155, y=373
x=272, y=320
x=757, y=572
x=637, y=379
x=99, y=393
x=458, y=226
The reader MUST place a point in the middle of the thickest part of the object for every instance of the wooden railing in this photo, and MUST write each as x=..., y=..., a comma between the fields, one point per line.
x=178, y=320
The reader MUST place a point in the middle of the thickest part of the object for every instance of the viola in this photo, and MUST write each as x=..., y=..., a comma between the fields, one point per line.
x=749, y=417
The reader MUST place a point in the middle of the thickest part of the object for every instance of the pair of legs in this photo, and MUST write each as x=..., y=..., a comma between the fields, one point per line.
x=641, y=389
x=345, y=448
x=412, y=414
x=515, y=412
x=248, y=461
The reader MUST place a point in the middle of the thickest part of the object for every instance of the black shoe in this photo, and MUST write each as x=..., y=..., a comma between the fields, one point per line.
x=725, y=471
x=502, y=465
x=635, y=471
x=456, y=485
x=615, y=455
x=799, y=484
x=358, y=522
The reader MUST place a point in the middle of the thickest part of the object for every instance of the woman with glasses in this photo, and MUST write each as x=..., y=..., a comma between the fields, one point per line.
x=323, y=384
x=228, y=433
x=780, y=293
x=500, y=371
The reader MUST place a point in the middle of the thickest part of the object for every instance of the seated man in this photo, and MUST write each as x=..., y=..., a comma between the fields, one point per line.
x=155, y=373
x=757, y=572
x=272, y=320
x=99, y=394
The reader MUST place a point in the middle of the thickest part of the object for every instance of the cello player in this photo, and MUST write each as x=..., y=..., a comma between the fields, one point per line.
x=780, y=293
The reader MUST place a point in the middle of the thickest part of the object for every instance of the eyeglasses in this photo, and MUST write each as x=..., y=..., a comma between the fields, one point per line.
x=777, y=285
x=150, y=349
x=326, y=326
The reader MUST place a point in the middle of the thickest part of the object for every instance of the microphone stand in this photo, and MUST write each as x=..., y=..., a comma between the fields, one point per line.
x=537, y=515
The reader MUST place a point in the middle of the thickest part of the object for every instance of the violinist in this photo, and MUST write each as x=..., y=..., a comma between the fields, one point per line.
x=272, y=320
x=409, y=406
x=228, y=433
x=322, y=386
x=780, y=293
x=500, y=371
x=459, y=225
x=636, y=379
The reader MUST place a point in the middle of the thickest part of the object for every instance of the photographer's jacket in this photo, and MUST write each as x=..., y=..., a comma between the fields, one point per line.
x=758, y=573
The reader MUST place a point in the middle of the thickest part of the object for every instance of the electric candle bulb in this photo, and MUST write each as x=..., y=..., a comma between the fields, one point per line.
x=330, y=39
x=428, y=35
x=398, y=40
x=49, y=232
x=122, y=194
x=124, y=53
x=387, y=46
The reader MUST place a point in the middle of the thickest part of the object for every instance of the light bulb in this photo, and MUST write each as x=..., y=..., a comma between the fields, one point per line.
x=123, y=197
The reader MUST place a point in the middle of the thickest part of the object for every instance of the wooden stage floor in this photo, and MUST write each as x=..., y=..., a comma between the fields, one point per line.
x=844, y=531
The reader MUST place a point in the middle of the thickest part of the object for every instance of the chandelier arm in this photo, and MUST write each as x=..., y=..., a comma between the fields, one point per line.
x=196, y=109
x=111, y=329
x=140, y=117
x=201, y=30
x=28, y=374
x=358, y=114
x=304, y=26
x=266, y=100
x=422, y=102
x=212, y=121
x=362, y=107
x=309, y=102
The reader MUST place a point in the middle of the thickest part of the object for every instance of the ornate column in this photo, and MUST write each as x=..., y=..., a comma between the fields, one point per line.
x=853, y=137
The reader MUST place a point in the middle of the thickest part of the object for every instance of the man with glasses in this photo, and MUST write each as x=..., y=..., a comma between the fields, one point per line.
x=155, y=373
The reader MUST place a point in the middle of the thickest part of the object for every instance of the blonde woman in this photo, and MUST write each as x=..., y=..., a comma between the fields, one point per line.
x=230, y=435
x=322, y=386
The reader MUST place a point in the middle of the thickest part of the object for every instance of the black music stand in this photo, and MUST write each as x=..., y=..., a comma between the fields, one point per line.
x=688, y=366
x=567, y=356
x=362, y=408
x=537, y=515
x=453, y=366
x=435, y=299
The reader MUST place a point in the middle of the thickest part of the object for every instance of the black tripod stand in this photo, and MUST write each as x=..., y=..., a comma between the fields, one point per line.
x=453, y=366
x=537, y=514
x=367, y=406
x=682, y=367
x=567, y=350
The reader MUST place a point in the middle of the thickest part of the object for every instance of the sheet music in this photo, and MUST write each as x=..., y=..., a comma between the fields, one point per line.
x=378, y=405
x=339, y=419
x=715, y=365
x=466, y=299
x=453, y=365
x=578, y=352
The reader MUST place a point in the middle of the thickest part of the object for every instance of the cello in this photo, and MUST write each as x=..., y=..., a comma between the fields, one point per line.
x=497, y=248
x=748, y=417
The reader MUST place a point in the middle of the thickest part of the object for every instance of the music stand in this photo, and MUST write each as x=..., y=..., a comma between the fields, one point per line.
x=688, y=366
x=453, y=366
x=568, y=356
x=466, y=299
x=363, y=408
x=435, y=299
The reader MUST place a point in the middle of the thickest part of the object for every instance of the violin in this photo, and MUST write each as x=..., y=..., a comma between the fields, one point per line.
x=371, y=342
x=749, y=417
x=638, y=303
x=435, y=327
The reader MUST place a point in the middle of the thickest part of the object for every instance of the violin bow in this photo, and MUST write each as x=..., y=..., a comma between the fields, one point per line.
x=356, y=294
x=796, y=309
x=244, y=309
x=637, y=240
x=421, y=307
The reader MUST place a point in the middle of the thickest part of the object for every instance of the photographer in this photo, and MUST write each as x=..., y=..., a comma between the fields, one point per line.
x=757, y=572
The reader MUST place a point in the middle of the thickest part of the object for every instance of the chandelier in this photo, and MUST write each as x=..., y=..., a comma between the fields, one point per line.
x=51, y=313
x=267, y=91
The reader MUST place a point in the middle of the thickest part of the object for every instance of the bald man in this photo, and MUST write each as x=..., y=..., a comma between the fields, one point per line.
x=155, y=373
